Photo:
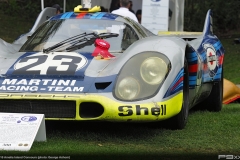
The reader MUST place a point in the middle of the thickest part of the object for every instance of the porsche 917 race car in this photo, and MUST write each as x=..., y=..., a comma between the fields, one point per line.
x=102, y=66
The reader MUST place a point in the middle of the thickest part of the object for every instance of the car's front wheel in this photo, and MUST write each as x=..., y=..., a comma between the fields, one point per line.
x=180, y=120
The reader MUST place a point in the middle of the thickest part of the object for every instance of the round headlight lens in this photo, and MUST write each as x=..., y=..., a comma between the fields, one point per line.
x=153, y=70
x=128, y=88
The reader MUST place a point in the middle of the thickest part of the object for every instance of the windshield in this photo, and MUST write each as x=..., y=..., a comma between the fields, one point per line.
x=55, y=31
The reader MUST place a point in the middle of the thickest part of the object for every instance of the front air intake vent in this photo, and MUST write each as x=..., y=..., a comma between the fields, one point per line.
x=50, y=108
x=90, y=110
x=102, y=85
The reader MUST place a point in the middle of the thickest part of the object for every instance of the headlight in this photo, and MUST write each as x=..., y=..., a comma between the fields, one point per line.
x=141, y=76
x=128, y=88
x=153, y=70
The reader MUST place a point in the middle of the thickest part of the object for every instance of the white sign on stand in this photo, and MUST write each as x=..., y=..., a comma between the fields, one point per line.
x=155, y=15
x=86, y=3
x=18, y=131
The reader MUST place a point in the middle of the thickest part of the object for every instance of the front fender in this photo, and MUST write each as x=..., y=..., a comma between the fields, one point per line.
x=172, y=47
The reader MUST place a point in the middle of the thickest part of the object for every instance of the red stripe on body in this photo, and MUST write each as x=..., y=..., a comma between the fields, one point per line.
x=179, y=81
x=193, y=68
x=220, y=59
x=81, y=15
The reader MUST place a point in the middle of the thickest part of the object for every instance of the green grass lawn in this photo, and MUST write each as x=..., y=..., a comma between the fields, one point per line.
x=231, y=60
x=206, y=135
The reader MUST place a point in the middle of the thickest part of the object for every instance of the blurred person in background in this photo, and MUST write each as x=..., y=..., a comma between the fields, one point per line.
x=103, y=9
x=130, y=7
x=124, y=10
x=115, y=4
x=139, y=15
x=58, y=7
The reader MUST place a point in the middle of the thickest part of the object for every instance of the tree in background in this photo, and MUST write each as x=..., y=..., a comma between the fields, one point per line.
x=226, y=14
x=29, y=9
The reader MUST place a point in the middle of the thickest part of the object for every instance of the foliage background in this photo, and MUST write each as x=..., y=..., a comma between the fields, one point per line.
x=226, y=13
x=29, y=9
x=206, y=135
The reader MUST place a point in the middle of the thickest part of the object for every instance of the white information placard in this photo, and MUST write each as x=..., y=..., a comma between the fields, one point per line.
x=18, y=131
x=155, y=15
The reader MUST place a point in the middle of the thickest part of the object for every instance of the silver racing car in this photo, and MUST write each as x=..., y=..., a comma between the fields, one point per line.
x=101, y=66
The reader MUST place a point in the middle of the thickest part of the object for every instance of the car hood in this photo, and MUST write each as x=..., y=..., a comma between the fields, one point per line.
x=53, y=72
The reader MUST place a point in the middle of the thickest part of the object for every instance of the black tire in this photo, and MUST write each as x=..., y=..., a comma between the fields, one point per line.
x=179, y=121
x=213, y=102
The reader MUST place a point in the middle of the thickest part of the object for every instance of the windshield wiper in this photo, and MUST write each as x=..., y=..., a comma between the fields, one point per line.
x=80, y=41
x=63, y=42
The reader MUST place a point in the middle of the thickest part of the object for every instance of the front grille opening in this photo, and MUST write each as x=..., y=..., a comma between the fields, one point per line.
x=90, y=110
x=102, y=85
x=50, y=108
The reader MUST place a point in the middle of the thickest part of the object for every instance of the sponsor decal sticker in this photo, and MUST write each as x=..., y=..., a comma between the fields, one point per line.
x=212, y=59
x=44, y=85
x=58, y=63
x=141, y=110
x=53, y=72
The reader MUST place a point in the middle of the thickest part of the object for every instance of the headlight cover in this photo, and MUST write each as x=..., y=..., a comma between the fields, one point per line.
x=128, y=88
x=142, y=76
x=153, y=70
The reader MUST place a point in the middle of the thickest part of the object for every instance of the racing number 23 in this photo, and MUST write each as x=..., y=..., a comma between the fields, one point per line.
x=48, y=65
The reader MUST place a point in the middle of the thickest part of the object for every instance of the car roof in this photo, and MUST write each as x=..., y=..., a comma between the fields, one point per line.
x=87, y=15
x=96, y=16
